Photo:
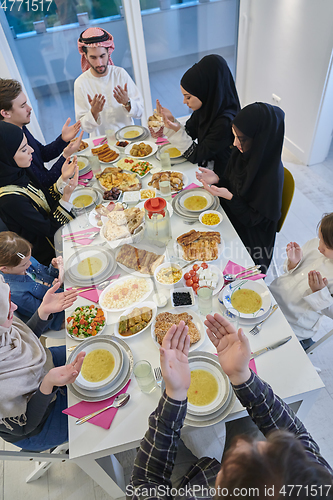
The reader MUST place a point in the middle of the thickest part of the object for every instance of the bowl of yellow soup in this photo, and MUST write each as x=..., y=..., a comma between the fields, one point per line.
x=130, y=133
x=209, y=386
x=251, y=298
x=83, y=197
x=196, y=200
x=83, y=164
x=173, y=152
x=210, y=219
x=101, y=366
x=89, y=264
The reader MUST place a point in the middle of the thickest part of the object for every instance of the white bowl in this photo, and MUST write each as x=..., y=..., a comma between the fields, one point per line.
x=211, y=226
x=160, y=299
x=153, y=190
x=197, y=192
x=117, y=353
x=163, y=266
x=186, y=289
x=131, y=196
x=260, y=288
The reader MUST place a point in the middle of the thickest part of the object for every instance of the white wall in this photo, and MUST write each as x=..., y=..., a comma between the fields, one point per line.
x=285, y=48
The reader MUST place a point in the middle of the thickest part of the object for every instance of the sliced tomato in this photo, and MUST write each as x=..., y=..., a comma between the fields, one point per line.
x=195, y=267
x=187, y=276
x=189, y=282
x=204, y=265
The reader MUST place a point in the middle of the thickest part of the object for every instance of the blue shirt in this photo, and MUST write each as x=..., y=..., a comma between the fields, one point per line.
x=28, y=294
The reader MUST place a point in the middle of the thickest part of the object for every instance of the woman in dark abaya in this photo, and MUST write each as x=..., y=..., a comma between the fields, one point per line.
x=251, y=189
x=209, y=91
x=26, y=207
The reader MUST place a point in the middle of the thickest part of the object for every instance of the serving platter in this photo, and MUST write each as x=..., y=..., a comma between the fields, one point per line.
x=195, y=319
x=141, y=246
x=134, y=238
x=185, y=183
x=150, y=143
x=71, y=312
x=123, y=281
x=149, y=304
x=127, y=166
x=179, y=250
x=125, y=374
x=259, y=288
x=92, y=215
x=212, y=268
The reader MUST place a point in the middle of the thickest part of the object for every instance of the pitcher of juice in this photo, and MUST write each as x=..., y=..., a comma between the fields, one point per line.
x=157, y=222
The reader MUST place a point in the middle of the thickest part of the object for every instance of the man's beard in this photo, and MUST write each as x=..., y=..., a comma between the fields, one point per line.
x=98, y=70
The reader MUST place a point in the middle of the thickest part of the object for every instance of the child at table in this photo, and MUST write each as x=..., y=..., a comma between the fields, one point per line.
x=304, y=291
x=28, y=279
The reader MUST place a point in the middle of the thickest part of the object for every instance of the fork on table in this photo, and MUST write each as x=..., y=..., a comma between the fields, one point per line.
x=256, y=329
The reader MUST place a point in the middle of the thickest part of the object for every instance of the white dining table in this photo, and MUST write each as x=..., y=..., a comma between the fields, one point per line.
x=287, y=369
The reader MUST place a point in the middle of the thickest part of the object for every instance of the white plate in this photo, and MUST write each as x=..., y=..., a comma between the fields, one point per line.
x=102, y=394
x=169, y=206
x=149, y=304
x=84, y=254
x=131, y=128
x=185, y=183
x=113, y=148
x=121, y=164
x=82, y=150
x=141, y=246
x=212, y=268
x=197, y=192
x=179, y=250
x=166, y=147
x=84, y=170
x=131, y=239
x=84, y=191
x=117, y=354
x=261, y=289
x=195, y=319
x=201, y=363
x=92, y=215
x=122, y=281
x=129, y=147
x=71, y=312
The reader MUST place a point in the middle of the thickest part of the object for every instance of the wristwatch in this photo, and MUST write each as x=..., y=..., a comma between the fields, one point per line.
x=127, y=104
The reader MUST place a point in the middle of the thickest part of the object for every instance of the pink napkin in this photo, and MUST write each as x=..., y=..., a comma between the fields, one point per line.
x=252, y=365
x=89, y=176
x=190, y=186
x=233, y=268
x=99, y=142
x=78, y=236
x=93, y=295
x=103, y=419
x=162, y=140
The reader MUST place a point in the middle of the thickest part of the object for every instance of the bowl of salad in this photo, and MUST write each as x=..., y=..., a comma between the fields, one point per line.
x=85, y=322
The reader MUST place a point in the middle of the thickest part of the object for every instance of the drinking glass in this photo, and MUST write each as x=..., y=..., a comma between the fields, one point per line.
x=81, y=214
x=95, y=164
x=165, y=161
x=205, y=300
x=145, y=376
x=165, y=189
x=110, y=135
x=232, y=315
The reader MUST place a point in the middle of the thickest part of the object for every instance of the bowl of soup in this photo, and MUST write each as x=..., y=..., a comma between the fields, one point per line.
x=83, y=197
x=196, y=200
x=250, y=298
x=101, y=366
x=209, y=386
x=82, y=163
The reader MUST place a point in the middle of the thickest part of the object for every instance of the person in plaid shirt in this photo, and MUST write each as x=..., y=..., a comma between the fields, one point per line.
x=286, y=464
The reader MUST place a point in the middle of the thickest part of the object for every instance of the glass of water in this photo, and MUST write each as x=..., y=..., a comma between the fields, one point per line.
x=145, y=376
x=205, y=300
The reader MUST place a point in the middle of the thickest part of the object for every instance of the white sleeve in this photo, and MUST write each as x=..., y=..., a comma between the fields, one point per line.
x=67, y=205
x=134, y=95
x=320, y=301
x=83, y=110
x=180, y=139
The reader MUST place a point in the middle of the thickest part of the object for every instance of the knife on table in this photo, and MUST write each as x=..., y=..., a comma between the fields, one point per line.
x=270, y=347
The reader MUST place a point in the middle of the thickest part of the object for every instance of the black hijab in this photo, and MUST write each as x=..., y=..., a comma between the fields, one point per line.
x=257, y=175
x=211, y=81
x=11, y=137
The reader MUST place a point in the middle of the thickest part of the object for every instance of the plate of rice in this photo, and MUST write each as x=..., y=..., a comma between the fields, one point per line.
x=124, y=293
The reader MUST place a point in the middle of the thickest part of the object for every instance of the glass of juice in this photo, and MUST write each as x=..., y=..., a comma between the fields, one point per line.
x=205, y=300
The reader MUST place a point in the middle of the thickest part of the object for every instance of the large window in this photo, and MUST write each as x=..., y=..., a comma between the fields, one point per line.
x=176, y=34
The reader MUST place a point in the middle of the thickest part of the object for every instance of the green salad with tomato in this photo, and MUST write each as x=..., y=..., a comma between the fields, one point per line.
x=86, y=321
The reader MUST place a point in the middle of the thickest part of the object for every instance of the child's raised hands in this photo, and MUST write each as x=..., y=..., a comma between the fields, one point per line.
x=316, y=281
x=294, y=254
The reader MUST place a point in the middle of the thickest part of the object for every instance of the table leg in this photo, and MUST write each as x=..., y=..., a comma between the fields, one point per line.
x=107, y=472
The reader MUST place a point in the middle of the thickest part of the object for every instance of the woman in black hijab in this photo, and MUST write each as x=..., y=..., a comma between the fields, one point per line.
x=209, y=90
x=26, y=207
x=251, y=189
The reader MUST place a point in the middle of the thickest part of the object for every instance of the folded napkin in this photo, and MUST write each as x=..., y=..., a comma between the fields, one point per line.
x=233, y=268
x=85, y=408
x=99, y=142
x=88, y=176
x=79, y=236
x=190, y=186
x=93, y=295
x=161, y=140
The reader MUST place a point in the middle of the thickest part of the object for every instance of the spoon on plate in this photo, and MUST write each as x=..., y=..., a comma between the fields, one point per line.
x=119, y=401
